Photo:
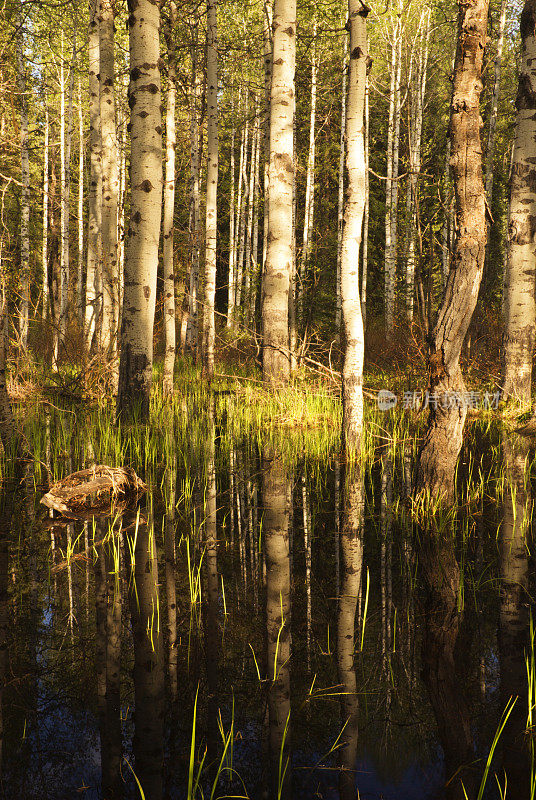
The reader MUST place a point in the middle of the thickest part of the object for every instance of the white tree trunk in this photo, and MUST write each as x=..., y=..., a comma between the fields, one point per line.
x=364, y=244
x=495, y=104
x=66, y=132
x=80, y=272
x=310, y=178
x=212, y=190
x=267, y=49
x=44, y=248
x=520, y=310
x=195, y=163
x=279, y=257
x=95, y=182
x=340, y=199
x=243, y=204
x=141, y=262
x=24, y=307
x=110, y=180
x=231, y=284
x=169, y=207
x=352, y=390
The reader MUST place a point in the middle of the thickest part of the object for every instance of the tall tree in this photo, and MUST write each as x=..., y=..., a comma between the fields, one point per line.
x=354, y=206
x=24, y=304
x=212, y=189
x=519, y=303
x=169, y=203
x=279, y=256
x=110, y=178
x=443, y=438
x=141, y=261
x=95, y=180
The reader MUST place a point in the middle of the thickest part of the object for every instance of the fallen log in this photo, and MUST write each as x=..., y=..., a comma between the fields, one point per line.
x=93, y=489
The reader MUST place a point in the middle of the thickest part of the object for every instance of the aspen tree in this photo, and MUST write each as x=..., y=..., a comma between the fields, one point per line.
x=519, y=303
x=44, y=247
x=195, y=165
x=141, y=260
x=267, y=52
x=95, y=181
x=169, y=205
x=490, y=152
x=243, y=200
x=24, y=305
x=443, y=438
x=230, y=287
x=212, y=190
x=366, y=214
x=310, y=178
x=340, y=197
x=417, y=91
x=279, y=256
x=110, y=179
x=66, y=135
x=352, y=377
x=391, y=186
x=80, y=215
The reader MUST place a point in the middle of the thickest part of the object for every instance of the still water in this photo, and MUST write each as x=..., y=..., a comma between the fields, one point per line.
x=270, y=627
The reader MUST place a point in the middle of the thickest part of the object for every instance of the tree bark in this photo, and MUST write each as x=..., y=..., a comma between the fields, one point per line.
x=352, y=376
x=44, y=248
x=110, y=179
x=279, y=256
x=80, y=220
x=212, y=190
x=310, y=178
x=340, y=199
x=193, y=224
x=141, y=262
x=95, y=181
x=231, y=283
x=519, y=304
x=443, y=439
x=169, y=206
x=24, y=307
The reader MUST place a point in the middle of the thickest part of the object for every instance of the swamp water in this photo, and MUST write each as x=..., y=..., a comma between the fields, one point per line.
x=266, y=624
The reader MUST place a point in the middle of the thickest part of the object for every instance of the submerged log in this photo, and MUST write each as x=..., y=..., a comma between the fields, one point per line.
x=92, y=489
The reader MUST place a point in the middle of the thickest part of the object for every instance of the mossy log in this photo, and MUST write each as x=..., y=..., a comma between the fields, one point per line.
x=93, y=489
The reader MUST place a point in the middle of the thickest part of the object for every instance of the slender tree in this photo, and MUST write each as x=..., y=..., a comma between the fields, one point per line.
x=519, y=303
x=95, y=180
x=279, y=256
x=212, y=190
x=352, y=376
x=110, y=179
x=169, y=204
x=141, y=261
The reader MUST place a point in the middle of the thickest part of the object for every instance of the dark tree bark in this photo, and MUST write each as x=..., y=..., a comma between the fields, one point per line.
x=443, y=439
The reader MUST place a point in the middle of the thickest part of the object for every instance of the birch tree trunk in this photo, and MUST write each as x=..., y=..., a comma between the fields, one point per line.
x=267, y=48
x=279, y=256
x=340, y=199
x=66, y=132
x=212, y=190
x=80, y=271
x=352, y=376
x=391, y=186
x=44, y=248
x=110, y=179
x=24, y=307
x=141, y=262
x=417, y=95
x=519, y=304
x=366, y=214
x=195, y=159
x=243, y=201
x=310, y=179
x=169, y=206
x=443, y=439
x=490, y=152
x=95, y=180
x=231, y=284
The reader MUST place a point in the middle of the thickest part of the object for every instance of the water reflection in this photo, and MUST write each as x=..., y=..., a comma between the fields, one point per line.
x=276, y=493
x=514, y=613
x=351, y=540
x=148, y=671
x=440, y=574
